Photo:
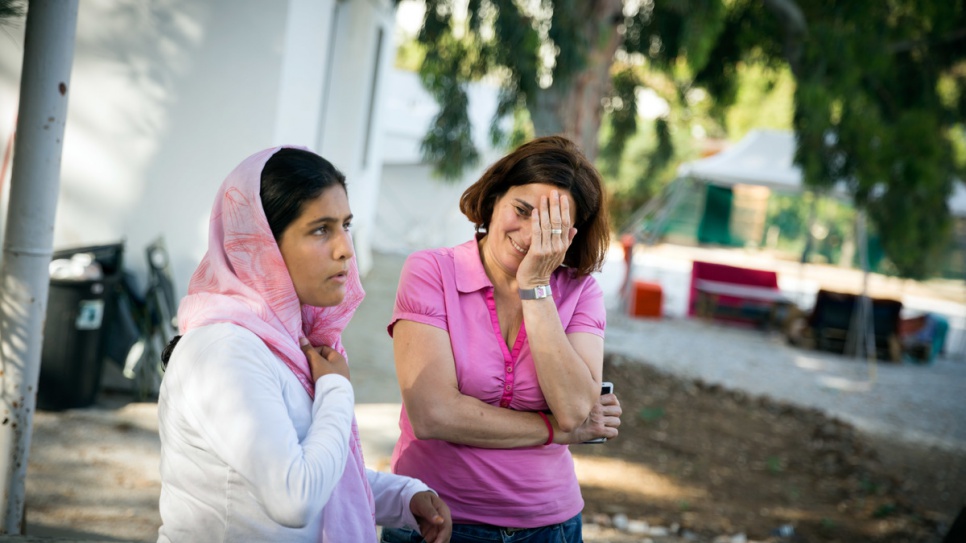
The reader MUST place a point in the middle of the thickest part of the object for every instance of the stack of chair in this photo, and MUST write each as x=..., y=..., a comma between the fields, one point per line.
x=831, y=320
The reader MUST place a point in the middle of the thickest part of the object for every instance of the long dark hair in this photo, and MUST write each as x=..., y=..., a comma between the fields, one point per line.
x=290, y=178
x=551, y=160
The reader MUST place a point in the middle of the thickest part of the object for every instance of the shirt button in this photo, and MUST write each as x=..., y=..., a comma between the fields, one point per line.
x=509, y=387
x=504, y=403
x=509, y=369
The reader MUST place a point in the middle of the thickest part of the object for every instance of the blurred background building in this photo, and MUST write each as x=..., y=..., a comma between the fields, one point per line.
x=168, y=96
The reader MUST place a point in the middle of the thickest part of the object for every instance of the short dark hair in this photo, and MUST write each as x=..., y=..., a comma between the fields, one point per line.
x=551, y=160
x=290, y=178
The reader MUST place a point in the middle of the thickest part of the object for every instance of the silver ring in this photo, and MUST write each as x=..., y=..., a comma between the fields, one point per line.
x=556, y=231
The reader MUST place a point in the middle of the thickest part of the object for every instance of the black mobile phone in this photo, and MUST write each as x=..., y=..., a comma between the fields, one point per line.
x=605, y=388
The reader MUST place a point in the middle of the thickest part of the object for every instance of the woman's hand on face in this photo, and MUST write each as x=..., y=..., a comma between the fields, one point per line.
x=604, y=419
x=551, y=234
x=324, y=360
x=433, y=516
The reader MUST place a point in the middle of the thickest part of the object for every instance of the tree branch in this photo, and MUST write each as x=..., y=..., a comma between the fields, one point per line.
x=796, y=28
x=903, y=46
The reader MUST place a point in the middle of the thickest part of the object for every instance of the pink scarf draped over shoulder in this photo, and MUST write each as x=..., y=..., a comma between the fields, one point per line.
x=242, y=279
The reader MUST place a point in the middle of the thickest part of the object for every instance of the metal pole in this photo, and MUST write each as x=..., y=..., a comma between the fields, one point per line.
x=24, y=279
x=862, y=331
x=812, y=212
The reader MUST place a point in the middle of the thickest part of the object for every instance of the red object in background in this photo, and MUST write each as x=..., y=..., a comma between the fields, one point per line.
x=627, y=241
x=647, y=300
x=728, y=274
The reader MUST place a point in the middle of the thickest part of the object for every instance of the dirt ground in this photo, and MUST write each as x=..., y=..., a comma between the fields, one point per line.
x=703, y=462
x=714, y=462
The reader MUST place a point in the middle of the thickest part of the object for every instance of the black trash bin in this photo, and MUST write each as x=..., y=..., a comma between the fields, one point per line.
x=79, y=314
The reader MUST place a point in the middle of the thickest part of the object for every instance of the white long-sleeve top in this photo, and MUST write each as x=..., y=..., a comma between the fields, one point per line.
x=246, y=455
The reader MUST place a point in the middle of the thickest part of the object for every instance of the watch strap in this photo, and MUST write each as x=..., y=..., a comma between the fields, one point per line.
x=536, y=293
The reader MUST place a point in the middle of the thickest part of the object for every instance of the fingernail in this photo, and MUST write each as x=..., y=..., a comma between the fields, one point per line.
x=303, y=341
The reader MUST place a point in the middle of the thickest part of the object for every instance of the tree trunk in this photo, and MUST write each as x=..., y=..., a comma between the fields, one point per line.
x=573, y=108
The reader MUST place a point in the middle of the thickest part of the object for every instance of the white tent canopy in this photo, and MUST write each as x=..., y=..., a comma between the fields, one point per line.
x=763, y=157
x=767, y=158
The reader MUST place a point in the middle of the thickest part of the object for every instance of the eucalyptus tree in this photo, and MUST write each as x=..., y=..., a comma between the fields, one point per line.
x=879, y=101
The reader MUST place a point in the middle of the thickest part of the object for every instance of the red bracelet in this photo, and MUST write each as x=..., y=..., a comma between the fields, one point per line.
x=549, y=427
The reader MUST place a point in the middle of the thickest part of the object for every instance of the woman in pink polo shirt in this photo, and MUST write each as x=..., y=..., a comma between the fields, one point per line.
x=499, y=346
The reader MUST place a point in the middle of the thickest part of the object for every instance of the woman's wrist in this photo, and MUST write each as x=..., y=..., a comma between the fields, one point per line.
x=549, y=425
x=528, y=284
x=560, y=437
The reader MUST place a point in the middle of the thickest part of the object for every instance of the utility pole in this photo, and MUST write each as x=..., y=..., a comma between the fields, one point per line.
x=24, y=278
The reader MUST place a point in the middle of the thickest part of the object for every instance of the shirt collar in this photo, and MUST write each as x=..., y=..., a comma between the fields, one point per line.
x=470, y=275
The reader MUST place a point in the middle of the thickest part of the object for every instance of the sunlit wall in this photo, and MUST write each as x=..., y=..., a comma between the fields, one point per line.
x=167, y=96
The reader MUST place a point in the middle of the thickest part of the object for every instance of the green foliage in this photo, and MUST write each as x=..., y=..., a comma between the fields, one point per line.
x=410, y=55
x=564, y=32
x=448, y=144
x=668, y=31
x=644, y=169
x=622, y=109
x=458, y=51
x=789, y=214
x=833, y=226
x=877, y=99
x=522, y=130
x=878, y=104
x=764, y=99
x=12, y=9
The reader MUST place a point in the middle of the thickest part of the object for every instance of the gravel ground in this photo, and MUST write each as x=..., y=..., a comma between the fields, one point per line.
x=918, y=403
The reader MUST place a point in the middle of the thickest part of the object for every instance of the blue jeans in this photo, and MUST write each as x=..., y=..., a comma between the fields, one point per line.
x=568, y=531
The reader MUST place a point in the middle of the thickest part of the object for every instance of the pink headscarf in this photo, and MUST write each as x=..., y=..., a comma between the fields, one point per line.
x=242, y=279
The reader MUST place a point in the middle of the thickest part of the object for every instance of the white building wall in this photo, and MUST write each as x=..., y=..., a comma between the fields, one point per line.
x=305, y=68
x=168, y=96
x=417, y=210
x=352, y=129
x=221, y=110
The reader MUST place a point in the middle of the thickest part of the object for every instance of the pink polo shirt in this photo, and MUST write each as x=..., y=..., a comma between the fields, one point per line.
x=520, y=488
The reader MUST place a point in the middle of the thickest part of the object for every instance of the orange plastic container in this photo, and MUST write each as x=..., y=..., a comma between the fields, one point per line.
x=646, y=300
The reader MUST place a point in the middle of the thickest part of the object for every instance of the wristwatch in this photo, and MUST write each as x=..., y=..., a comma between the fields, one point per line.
x=536, y=293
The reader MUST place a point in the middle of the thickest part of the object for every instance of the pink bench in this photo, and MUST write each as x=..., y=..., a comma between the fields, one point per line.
x=732, y=293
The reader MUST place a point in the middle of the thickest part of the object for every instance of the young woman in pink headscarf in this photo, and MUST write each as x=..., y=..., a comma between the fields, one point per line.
x=258, y=437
